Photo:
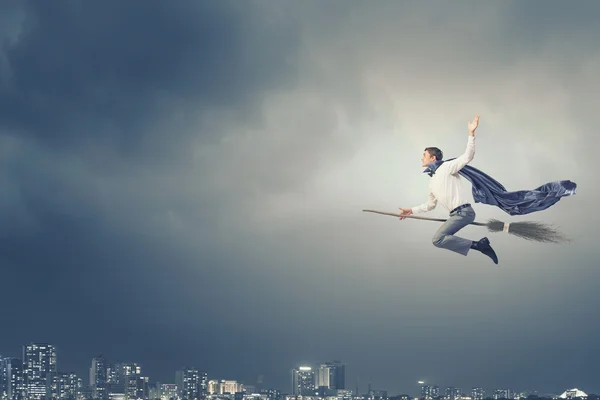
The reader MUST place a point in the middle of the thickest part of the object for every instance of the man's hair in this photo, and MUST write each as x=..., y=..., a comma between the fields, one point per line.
x=435, y=152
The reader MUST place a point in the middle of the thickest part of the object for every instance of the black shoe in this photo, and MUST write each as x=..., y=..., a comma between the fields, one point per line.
x=483, y=245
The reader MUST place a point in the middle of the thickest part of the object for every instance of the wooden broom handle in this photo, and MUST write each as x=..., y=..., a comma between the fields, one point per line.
x=417, y=217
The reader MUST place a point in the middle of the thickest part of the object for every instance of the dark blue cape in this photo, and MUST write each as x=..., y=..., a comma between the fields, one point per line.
x=487, y=190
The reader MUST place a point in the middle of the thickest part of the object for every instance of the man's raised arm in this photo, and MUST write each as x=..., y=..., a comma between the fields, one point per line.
x=456, y=165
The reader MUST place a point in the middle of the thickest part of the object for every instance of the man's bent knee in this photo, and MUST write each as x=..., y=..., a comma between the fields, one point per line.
x=437, y=240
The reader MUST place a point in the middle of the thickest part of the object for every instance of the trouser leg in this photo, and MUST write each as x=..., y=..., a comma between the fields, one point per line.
x=445, y=236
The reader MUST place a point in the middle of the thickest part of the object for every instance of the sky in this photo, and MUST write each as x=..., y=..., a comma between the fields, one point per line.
x=182, y=184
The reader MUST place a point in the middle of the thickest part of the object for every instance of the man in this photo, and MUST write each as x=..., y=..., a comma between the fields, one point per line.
x=445, y=186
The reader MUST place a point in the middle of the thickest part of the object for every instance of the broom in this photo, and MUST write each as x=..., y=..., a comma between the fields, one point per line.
x=530, y=230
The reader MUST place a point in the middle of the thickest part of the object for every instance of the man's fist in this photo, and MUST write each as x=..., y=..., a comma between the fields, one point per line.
x=405, y=212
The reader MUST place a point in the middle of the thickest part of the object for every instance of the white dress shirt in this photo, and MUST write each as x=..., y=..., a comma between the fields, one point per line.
x=446, y=185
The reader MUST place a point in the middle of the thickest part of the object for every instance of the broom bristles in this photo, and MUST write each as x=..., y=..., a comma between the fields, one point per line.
x=529, y=230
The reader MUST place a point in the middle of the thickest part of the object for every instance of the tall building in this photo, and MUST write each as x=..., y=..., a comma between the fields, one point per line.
x=453, y=393
x=66, y=386
x=429, y=392
x=131, y=369
x=12, y=379
x=2, y=378
x=188, y=383
x=303, y=381
x=39, y=361
x=501, y=394
x=331, y=375
x=477, y=393
x=125, y=380
x=115, y=378
x=167, y=391
x=203, y=385
x=136, y=387
x=99, y=378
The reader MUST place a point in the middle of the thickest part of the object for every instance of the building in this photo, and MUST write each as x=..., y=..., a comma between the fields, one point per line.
x=453, y=393
x=303, y=381
x=573, y=393
x=477, y=393
x=189, y=383
x=136, y=387
x=66, y=386
x=168, y=391
x=12, y=379
x=429, y=392
x=272, y=394
x=501, y=394
x=331, y=375
x=39, y=364
x=99, y=378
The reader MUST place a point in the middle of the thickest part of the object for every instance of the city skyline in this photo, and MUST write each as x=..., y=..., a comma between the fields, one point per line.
x=183, y=183
x=40, y=359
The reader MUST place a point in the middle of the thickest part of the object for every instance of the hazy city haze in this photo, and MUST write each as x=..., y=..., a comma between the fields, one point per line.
x=182, y=184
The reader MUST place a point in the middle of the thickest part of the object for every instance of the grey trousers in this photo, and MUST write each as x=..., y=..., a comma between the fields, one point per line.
x=444, y=238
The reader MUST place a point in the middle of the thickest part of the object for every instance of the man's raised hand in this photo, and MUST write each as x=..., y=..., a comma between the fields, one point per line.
x=473, y=125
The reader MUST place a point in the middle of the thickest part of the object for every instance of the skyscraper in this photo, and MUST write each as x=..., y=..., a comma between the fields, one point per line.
x=167, y=391
x=477, y=393
x=332, y=375
x=12, y=379
x=115, y=381
x=125, y=380
x=137, y=387
x=131, y=369
x=203, y=382
x=453, y=393
x=99, y=378
x=39, y=366
x=303, y=381
x=188, y=383
x=429, y=392
x=66, y=386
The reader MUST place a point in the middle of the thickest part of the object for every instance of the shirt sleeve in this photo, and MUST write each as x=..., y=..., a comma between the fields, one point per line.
x=430, y=205
x=453, y=166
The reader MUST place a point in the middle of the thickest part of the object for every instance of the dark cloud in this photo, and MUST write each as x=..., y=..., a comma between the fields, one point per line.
x=111, y=73
x=92, y=94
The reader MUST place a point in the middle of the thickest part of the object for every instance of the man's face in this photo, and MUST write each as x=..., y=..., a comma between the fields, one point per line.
x=426, y=159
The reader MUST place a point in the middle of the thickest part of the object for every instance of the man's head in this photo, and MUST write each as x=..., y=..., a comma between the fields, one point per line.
x=431, y=154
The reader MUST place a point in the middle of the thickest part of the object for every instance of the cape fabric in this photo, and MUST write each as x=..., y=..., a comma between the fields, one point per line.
x=487, y=190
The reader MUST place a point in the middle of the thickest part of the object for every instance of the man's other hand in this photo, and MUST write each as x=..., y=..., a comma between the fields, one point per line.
x=405, y=212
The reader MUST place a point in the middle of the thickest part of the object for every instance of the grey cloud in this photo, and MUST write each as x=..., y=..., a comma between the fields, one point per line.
x=111, y=72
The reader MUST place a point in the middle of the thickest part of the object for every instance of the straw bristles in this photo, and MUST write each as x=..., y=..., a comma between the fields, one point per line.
x=530, y=230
